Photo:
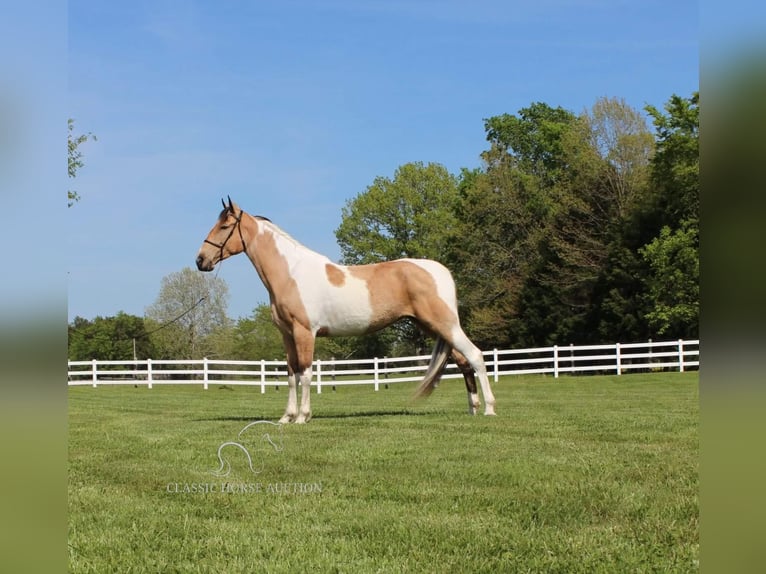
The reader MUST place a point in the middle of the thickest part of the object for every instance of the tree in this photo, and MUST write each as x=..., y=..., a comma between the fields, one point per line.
x=630, y=301
x=533, y=138
x=250, y=338
x=410, y=215
x=75, y=160
x=675, y=166
x=540, y=222
x=117, y=338
x=190, y=307
x=501, y=224
x=607, y=152
x=672, y=255
x=506, y=212
x=673, y=284
x=621, y=137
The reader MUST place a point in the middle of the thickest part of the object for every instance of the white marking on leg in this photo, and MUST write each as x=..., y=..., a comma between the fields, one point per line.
x=486, y=390
x=463, y=344
x=305, y=413
x=292, y=401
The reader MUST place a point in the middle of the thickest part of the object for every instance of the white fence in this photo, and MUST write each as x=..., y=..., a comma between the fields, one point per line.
x=616, y=359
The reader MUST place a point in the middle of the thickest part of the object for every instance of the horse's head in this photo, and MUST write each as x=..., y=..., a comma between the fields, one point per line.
x=224, y=240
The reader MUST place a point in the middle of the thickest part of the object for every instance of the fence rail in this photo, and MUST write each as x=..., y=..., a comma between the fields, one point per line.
x=616, y=358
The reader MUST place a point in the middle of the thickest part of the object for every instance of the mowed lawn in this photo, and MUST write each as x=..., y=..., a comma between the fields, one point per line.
x=577, y=474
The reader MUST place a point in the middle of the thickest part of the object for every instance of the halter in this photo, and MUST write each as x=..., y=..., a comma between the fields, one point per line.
x=238, y=226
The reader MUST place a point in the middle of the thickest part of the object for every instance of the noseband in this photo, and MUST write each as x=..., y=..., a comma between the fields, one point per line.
x=238, y=227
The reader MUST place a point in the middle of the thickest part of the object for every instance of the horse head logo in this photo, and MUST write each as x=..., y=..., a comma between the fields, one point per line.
x=270, y=435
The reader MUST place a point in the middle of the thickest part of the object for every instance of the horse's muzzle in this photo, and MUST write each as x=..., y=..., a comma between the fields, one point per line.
x=203, y=265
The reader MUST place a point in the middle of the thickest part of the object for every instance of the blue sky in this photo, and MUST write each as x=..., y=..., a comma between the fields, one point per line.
x=294, y=107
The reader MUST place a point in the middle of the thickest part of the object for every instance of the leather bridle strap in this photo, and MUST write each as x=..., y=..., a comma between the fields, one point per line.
x=238, y=226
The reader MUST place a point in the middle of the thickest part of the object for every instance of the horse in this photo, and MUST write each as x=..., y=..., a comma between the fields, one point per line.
x=311, y=297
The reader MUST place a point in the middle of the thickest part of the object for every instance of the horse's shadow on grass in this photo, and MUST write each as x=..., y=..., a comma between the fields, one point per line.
x=351, y=415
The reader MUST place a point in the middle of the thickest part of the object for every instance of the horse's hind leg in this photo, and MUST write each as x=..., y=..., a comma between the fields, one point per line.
x=463, y=345
x=470, y=381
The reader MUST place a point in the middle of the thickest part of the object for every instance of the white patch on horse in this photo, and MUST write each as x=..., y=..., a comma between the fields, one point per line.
x=335, y=310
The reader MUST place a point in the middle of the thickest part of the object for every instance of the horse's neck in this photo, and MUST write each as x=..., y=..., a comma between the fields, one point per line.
x=274, y=254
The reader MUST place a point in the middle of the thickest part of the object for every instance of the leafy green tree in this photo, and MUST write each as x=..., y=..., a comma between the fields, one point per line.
x=250, y=338
x=533, y=138
x=410, y=215
x=620, y=136
x=628, y=305
x=673, y=253
x=118, y=338
x=189, y=308
x=607, y=152
x=673, y=284
x=675, y=165
x=506, y=212
x=540, y=222
x=495, y=249
x=75, y=161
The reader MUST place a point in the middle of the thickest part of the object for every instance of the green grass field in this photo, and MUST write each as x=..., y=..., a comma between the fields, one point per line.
x=578, y=474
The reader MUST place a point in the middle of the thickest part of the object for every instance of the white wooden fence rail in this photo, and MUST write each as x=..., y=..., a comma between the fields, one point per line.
x=616, y=359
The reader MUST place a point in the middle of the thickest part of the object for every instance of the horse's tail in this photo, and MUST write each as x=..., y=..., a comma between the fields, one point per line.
x=439, y=357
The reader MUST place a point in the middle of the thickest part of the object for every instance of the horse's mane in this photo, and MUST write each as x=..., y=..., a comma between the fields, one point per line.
x=279, y=231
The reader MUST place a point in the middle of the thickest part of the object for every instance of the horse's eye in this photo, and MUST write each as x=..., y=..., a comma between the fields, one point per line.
x=226, y=226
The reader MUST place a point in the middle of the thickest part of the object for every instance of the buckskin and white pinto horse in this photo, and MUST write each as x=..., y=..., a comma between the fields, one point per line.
x=313, y=297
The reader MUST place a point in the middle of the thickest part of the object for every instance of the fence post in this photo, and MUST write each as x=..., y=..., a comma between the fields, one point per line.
x=555, y=361
x=680, y=355
x=571, y=358
x=204, y=373
x=376, y=373
x=495, y=367
x=619, y=358
x=263, y=376
x=319, y=376
x=95, y=373
x=149, y=373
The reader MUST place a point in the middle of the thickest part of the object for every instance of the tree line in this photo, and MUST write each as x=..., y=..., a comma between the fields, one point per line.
x=577, y=228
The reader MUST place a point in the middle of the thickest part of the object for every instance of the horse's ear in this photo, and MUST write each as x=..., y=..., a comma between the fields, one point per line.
x=231, y=205
x=223, y=203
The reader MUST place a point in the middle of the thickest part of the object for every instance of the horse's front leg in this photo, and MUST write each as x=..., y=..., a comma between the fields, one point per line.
x=304, y=345
x=305, y=412
x=291, y=412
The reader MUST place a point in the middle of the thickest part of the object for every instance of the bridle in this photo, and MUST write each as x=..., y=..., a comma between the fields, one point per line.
x=237, y=226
